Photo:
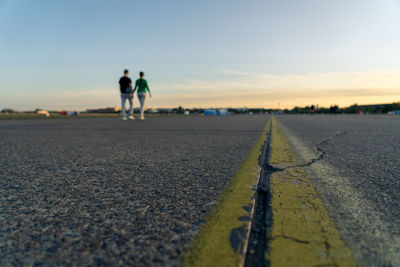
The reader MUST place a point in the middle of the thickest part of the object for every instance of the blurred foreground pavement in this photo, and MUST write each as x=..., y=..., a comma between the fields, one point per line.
x=107, y=191
x=358, y=177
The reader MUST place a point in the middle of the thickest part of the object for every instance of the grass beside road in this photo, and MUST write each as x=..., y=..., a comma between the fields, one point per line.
x=212, y=247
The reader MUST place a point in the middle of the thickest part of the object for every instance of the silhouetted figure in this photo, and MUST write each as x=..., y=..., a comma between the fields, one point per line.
x=142, y=88
x=125, y=86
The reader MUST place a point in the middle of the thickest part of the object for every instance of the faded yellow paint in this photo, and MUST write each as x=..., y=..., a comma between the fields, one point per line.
x=212, y=246
x=302, y=233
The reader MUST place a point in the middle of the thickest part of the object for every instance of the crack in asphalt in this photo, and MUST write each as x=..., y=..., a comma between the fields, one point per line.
x=362, y=225
x=321, y=152
x=293, y=239
x=262, y=217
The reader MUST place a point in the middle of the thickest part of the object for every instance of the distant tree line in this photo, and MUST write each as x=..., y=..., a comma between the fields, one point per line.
x=181, y=110
x=334, y=109
x=8, y=110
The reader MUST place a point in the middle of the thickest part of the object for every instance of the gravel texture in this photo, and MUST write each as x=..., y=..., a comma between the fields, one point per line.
x=112, y=192
x=358, y=177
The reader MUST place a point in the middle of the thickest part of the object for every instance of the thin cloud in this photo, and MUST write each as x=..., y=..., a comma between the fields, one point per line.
x=247, y=89
x=254, y=89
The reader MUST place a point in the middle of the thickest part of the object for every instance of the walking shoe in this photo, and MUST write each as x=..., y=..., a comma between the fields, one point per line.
x=124, y=118
x=131, y=117
x=141, y=118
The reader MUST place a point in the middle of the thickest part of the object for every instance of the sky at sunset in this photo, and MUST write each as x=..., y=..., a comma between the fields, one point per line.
x=225, y=53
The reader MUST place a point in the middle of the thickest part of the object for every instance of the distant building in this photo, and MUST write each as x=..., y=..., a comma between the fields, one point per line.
x=210, y=112
x=43, y=112
x=152, y=111
x=73, y=113
x=222, y=112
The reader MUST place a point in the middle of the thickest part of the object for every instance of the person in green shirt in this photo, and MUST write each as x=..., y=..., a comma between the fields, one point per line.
x=142, y=88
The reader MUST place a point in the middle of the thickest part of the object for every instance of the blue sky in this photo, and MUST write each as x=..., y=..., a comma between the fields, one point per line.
x=70, y=54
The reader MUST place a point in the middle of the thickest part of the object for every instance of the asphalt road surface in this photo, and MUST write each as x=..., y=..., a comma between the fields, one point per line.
x=358, y=177
x=107, y=191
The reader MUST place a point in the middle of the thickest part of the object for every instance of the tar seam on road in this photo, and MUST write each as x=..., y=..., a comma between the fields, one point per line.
x=223, y=238
x=262, y=215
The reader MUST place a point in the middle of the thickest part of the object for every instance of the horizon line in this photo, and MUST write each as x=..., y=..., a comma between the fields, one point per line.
x=214, y=107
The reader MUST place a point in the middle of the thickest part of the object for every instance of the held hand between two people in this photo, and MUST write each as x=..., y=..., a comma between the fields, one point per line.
x=132, y=94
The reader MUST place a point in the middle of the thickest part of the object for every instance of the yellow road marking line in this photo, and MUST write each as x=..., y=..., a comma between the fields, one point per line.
x=302, y=234
x=212, y=246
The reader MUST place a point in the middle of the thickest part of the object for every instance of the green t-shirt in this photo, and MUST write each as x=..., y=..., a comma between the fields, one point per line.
x=141, y=85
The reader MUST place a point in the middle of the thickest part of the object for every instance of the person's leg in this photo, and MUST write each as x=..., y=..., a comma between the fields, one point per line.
x=130, y=99
x=142, y=98
x=123, y=101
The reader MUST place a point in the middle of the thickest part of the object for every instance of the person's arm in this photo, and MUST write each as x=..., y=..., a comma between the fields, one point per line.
x=136, y=86
x=148, y=89
x=131, y=90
